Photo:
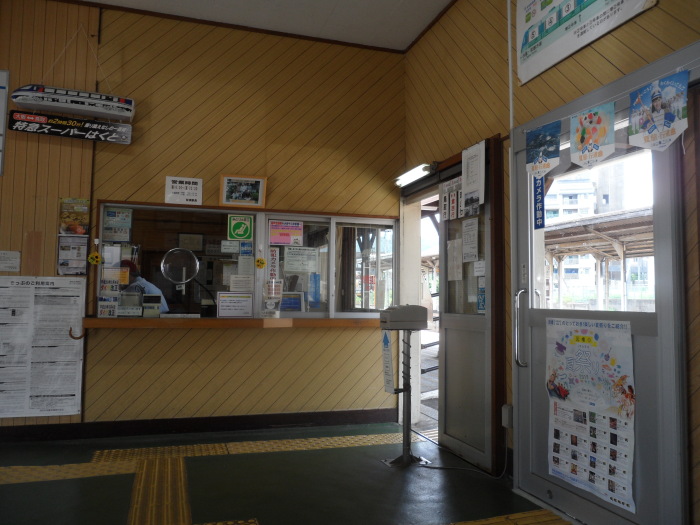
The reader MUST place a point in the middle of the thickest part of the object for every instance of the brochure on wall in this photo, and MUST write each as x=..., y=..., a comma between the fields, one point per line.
x=473, y=178
x=549, y=31
x=72, y=254
x=118, y=217
x=300, y=259
x=286, y=233
x=590, y=382
x=181, y=190
x=593, y=135
x=659, y=112
x=40, y=364
x=74, y=216
x=470, y=240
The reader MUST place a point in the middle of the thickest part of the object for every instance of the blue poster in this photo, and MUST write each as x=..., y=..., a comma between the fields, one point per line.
x=542, y=148
x=659, y=112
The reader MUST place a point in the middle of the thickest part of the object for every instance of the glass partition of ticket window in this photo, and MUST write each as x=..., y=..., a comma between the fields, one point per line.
x=596, y=251
x=212, y=250
x=133, y=241
x=299, y=249
x=364, y=267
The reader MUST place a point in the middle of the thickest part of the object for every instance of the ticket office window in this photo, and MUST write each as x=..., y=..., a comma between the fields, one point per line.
x=299, y=257
x=329, y=266
x=364, y=267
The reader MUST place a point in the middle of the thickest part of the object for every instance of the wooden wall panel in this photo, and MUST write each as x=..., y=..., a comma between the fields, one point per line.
x=47, y=42
x=202, y=373
x=324, y=123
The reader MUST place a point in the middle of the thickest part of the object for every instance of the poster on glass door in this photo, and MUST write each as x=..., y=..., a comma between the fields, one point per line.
x=590, y=383
x=659, y=112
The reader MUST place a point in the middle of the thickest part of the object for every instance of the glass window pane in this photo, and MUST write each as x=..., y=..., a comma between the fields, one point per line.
x=364, y=267
x=304, y=270
x=466, y=281
x=597, y=247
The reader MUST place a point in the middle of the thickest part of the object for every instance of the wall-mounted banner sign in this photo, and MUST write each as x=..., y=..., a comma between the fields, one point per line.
x=542, y=148
x=55, y=126
x=659, y=112
x=590, y=382
x=547, y=31
x=593, y=135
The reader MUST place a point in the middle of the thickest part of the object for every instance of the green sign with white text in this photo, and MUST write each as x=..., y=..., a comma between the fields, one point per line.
x=240, y=228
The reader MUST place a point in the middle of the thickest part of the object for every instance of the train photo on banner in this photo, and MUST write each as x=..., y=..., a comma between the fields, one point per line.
x=44, y=98
x=557, y=17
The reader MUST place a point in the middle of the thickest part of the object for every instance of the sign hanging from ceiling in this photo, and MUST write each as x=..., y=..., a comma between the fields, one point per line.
x=547, y=31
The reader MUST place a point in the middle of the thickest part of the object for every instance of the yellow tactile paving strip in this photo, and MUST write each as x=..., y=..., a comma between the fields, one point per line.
x=28, y=474
x=249, y=447
x=159, y=495
x=534, y=517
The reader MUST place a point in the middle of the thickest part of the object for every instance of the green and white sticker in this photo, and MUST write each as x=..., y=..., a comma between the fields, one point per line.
x=240, y=227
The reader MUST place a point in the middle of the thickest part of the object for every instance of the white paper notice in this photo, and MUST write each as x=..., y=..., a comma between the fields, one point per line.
x=40, y=364
x=470, y=240
x=473, y=177
x=246, y=265
x=232, y=304
x=454, y=260
x=9, y=261
x=181, y=190
x=301, y=260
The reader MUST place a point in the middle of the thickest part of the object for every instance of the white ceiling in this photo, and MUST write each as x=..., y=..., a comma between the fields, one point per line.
x=386, y=24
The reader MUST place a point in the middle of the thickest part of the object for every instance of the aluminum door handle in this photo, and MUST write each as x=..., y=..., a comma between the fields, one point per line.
x=516, y=335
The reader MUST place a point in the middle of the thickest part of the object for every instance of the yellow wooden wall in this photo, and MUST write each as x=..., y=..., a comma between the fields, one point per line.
x=324, y=123
x=46, y=42
x=457, y=95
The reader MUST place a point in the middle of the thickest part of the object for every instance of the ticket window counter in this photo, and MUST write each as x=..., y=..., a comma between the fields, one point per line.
x=326, y=266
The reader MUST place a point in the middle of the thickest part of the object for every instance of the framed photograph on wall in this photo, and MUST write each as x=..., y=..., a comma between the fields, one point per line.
x=242, y=191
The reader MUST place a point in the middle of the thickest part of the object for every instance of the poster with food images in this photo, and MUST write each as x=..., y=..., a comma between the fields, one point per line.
x=74, y=216
x=659, y=112
x=592, y=135
x=590, y=385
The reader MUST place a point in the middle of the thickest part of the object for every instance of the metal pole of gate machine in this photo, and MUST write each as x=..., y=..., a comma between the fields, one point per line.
x=406, y=397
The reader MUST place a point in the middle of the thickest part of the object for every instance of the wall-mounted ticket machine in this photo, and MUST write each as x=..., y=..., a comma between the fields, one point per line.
x=408, y=318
